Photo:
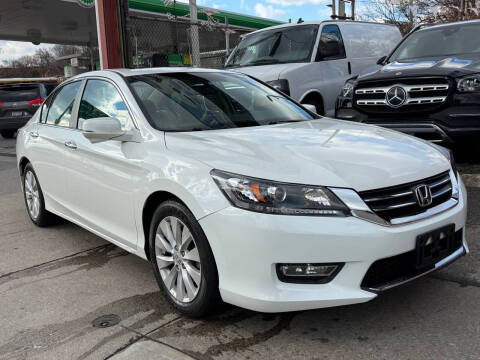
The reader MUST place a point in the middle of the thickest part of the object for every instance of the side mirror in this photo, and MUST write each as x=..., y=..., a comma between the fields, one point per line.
x=381, y=60
x=102, y=129
x=310, y=107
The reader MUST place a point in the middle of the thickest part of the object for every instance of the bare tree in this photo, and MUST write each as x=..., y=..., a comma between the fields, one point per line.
x=408, y=13
x=41, y=63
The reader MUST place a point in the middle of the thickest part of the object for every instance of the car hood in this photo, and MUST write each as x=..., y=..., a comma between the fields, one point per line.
x=268, y=72
x=320, y=152
x=441, y=66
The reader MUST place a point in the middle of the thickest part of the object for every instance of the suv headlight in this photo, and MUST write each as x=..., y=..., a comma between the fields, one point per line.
x=278, y=198
x=280, y=85
x=470, y=83
x=347, y=90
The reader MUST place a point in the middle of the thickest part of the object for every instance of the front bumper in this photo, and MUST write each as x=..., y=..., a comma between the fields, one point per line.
x=247, y=245
x=455, y=123
x=13, y=123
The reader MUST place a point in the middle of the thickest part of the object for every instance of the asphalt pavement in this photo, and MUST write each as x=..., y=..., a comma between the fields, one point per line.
x=67, y=294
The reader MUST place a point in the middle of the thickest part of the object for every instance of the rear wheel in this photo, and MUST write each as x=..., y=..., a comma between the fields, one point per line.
x=182, y=260
x=8, y=134
x=34, y=199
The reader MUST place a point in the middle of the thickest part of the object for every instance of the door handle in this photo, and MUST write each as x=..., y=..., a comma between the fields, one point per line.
x=34, y=134
x=70, y=144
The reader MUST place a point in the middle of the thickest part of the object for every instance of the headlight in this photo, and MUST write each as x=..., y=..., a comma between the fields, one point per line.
x=281, y=85
x=347, y=90
x=470, y=83
x=278, y=198
x=449, y=155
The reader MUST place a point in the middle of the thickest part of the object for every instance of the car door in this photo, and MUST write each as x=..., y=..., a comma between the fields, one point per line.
x=48, y=144
x=332, y=67
x=101, y=176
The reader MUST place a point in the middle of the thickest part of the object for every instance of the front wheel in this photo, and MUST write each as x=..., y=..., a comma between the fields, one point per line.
x=183, y=261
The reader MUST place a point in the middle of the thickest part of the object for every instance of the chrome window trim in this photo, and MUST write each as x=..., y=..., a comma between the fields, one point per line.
x=361, y=210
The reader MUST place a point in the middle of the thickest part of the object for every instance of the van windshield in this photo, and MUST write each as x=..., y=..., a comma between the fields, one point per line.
x=284, y=45
x=439, y=42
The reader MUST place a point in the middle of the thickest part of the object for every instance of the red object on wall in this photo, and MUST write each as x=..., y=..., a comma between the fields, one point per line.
x=110, y=32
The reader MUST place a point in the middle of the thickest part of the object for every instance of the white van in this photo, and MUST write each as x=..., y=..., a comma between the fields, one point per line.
x=311, y=61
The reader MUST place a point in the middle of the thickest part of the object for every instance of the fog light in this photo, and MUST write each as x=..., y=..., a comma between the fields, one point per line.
x=308, y=273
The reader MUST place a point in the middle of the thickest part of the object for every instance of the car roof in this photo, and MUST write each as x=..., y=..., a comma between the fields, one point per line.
x=451, y=24
x=146, y=71
x=317, y=22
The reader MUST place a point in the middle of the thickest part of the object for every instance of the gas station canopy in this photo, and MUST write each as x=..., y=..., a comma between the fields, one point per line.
x=74, y=21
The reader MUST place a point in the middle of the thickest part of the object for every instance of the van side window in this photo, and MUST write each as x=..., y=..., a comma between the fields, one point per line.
x=330, y=46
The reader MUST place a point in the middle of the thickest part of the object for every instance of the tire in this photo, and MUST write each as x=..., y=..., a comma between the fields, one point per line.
x=197, y=295
x=34, y=201
x=8, y=134
x=318, y=105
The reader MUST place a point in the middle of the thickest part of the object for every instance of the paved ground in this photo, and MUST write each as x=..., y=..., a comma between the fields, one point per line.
x=55, y=282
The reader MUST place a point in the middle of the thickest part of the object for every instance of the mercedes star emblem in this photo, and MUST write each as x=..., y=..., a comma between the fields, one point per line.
x=396, y=96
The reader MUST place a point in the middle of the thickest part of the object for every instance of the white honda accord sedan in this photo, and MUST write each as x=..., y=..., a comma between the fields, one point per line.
x=235, y=192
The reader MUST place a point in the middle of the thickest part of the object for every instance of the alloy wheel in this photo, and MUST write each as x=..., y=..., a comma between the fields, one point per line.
x=32, y=194
x=178, y=259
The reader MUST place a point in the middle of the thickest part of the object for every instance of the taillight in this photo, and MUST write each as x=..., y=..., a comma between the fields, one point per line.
x=36, y=102
x=1, y=104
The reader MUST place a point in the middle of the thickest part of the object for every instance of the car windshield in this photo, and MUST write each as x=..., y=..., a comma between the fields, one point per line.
x=292, y=44
x=17, y=93
x=439, y=42
x=197, y=101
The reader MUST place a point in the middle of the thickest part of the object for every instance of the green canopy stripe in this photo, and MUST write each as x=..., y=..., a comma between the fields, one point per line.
x=182, y=9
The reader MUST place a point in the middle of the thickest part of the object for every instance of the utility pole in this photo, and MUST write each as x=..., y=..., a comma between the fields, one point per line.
x=342, y=15
x=194, y=33
x=341, y=9
x=462, y=9
x=334, y=12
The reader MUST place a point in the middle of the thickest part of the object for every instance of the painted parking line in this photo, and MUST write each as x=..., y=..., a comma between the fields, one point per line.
x=471, y=180
x=150, y=350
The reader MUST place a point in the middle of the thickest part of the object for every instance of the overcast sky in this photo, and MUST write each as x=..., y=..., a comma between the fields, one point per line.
x=273, y=9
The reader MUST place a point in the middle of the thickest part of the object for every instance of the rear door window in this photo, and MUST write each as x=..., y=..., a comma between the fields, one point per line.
x=19, y=93
x=61, y=106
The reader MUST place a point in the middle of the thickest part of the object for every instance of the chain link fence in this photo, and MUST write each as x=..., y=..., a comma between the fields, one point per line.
x=167, y=41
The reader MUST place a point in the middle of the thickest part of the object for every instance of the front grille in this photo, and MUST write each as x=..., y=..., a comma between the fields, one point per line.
x=399, y=268
x=422, y=94
x=400, y=201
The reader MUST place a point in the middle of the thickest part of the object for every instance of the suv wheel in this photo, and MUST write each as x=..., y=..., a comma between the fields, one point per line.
x=8, y=134
x=182, y=260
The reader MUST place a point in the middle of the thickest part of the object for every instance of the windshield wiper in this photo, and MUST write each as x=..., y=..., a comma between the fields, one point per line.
x=274, y=122
x=263, y=62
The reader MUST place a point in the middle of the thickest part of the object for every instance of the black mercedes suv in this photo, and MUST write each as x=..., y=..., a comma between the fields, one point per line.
x=429, y=86
x=19, y=101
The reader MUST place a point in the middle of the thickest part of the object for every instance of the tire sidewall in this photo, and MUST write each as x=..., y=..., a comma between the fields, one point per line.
x=41, y=218
x=208, y=290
